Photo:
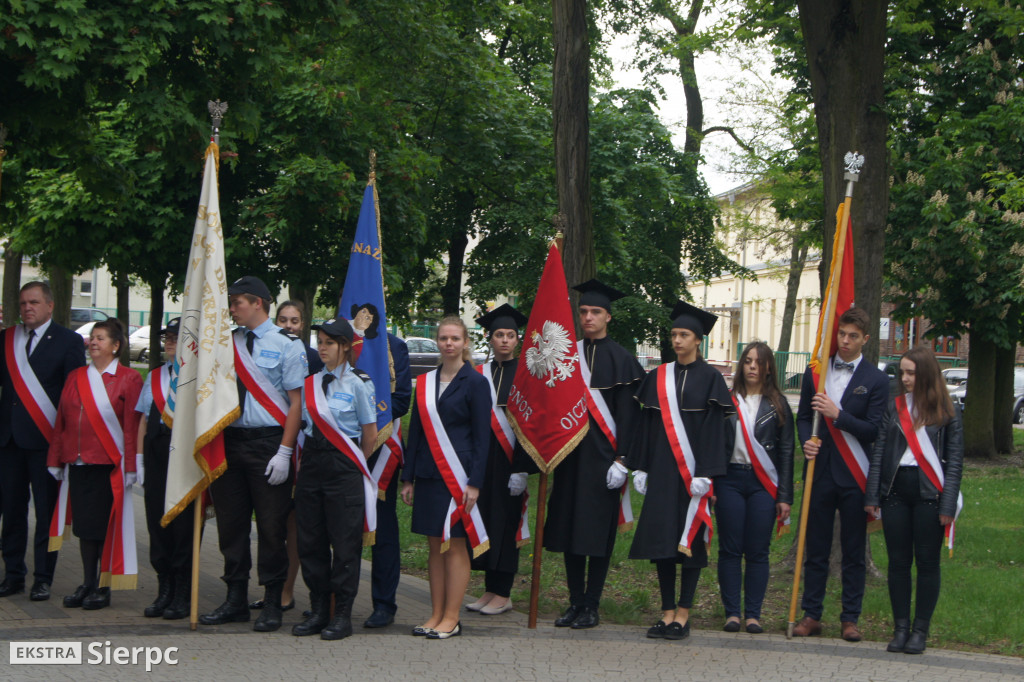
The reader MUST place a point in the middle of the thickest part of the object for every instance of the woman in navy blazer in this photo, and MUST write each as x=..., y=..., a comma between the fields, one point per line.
x=463, y=405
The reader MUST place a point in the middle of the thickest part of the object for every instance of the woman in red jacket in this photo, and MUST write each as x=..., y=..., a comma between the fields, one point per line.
x=96, y=426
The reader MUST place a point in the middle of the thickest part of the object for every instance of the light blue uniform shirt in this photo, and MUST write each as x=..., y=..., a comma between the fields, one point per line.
x=146, y=397
x=349, y=399
x=282, y=359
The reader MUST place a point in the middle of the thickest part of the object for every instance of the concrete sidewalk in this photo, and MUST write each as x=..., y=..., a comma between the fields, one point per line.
x=492, y=647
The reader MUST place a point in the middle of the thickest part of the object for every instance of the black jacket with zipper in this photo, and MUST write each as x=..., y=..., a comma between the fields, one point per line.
x=777, y=439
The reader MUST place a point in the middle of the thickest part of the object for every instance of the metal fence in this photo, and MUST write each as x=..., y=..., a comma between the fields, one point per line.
x=791, y=366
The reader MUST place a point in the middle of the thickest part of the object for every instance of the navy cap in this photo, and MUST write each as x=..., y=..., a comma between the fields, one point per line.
x=336, y=326
x=172, y=326
x=250, y=285
x=686, y=316
x=593, y=292
x=502, y=317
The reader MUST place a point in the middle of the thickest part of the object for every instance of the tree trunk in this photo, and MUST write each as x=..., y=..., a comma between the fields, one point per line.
x=845, y=44
x=571, y=114
x=156, y=322
x=61, y=284
x=451, y=292
x=797, y=259
x=123, y=310
x=12, y=286
x=1002, y=403
x=306, y=294
x=979, y=440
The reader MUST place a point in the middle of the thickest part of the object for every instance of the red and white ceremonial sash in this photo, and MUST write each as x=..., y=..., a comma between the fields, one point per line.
x=316, y=406
x=598, y=409
x=699, y=509
x=161, y=387
x=849, y=447
x=257, y=383
x=927, y=459
x=764, y=469
x=29, y=390
x=452, y=471
x=506, y=438
x=60, y=523
x=502, y=430
x=391, y=457
x=118, y=565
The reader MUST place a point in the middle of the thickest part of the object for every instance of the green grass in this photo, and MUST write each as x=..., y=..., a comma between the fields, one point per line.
x=978, y=610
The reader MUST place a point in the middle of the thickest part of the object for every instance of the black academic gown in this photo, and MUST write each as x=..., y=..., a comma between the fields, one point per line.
x=582, y=512
x=500, y=511
x=704, y=404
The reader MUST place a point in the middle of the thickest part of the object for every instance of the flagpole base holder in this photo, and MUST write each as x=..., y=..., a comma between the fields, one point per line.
x=789, y=630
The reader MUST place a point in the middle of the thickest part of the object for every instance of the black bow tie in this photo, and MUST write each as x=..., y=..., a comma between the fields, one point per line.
x=839, y=364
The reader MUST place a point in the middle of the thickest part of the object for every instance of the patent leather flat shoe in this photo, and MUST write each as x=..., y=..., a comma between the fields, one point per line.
x=40, y=592
x=569, y=617
x=420, y=631
x=587, y=619
x=437, y=634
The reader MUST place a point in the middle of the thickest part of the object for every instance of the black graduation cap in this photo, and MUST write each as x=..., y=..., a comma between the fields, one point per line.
x=502, y=317
x=598, y=294
x=686, y=316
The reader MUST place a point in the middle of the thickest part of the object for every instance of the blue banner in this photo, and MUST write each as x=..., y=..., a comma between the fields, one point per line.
x=362, y=303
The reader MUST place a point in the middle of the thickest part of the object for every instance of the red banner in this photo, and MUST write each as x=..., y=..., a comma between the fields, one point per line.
x=547, y=404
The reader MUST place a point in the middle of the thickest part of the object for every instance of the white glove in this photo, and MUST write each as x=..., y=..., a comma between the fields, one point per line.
x=140, y=470
x=277, y=469
x=640, y=482
x=616, y=476
x=129, y=479
x=517, y=484
x=56, y=472
x=699, y=487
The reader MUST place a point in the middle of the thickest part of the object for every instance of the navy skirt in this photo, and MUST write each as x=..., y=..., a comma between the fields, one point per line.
x=91, y=500
x=430, y=500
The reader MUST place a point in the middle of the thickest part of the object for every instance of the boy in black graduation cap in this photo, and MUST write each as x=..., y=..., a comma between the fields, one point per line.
x=583, y=509
x=698, y=392
x=501, y=495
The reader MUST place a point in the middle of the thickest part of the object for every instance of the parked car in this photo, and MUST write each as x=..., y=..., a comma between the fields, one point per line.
x=424, y=355
x=138, y=344
x=891, y=369
x=80, y=316
x=954, y=376
x=1018, y=409
x=959, y=395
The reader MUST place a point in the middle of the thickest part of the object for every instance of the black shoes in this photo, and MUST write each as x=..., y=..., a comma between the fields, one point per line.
x=164, y=594
x=380, y=618
x=657, y=631
x=732, y=626
x=341, y=625
x=755, y=628
x=40, y=591
x=675, y=631
x=270, y=617
x=74, y=600
x=916, y=643
x=900, y=633
x=9, y=587
x=233, y=610
x=569, y=617
x=97, y=599
x=587, y=619
x=317, y=619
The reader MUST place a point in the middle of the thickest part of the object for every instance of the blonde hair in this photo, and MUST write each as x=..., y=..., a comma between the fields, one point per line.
x=456, y=321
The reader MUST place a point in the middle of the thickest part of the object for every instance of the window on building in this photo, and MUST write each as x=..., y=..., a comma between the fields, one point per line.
x=85, y=286
x=946, y=345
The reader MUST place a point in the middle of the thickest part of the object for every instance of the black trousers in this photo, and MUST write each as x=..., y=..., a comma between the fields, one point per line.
x=329, y=511
x=689, y=576
x=826, y=499
x=170, y=548
x=912, y=534
x=500, y=582
x=242, y=490
x=22, y=471
x=585, y=582
x=386, y=569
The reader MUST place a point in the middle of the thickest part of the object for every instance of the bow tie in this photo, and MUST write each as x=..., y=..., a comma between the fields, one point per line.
x=839, y=364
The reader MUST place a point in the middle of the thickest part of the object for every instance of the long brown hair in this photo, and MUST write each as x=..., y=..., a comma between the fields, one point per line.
x=456, y=321
x=932, y=404
x=769, y=376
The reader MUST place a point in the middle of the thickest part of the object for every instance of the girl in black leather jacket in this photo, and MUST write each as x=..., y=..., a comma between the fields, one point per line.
x=915, y=511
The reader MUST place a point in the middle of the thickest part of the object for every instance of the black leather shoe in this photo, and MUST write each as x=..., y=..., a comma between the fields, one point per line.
x=569, y=617
x=916, y=643
x=657, y=631
x=97, y=599
x=74, y=600
x=340, y=628
x=164, y=594
x=675, y=631
x=754, y=628
x=40, y=592
x=380, y=618
x=9, y=587
x=732, y=626
x=587, y=619
x=235, y=608
x=900, y=633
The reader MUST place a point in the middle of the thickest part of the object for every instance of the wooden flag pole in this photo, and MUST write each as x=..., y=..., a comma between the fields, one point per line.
x=853, y=164
x=197, y=531
x=538, y=548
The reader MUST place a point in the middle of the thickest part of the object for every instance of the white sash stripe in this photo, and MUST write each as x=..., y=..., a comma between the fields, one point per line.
x=386, y=453
x=684, y=444
x=263, y=384
x=499, y=413
x=99, y=394
x=596, y=399
x=24, y=369
x=833, y=392
x=931, y=457
x=759, y=451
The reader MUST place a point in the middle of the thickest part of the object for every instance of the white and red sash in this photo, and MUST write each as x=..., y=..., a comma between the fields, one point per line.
x=257, y=383
x=452, y=471
x=29, y=390
x=161, y=388
x=506, y=438
x=927, y=459
x=764, y=468
x=699, y=509
x=850, y=449
x=391, y=457
x=598, y=409
x=316, y=406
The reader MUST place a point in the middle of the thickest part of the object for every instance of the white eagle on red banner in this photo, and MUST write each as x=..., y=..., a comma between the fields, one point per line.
x=552, y=356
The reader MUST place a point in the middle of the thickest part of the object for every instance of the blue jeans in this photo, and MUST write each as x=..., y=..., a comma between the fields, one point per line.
x=745, y=512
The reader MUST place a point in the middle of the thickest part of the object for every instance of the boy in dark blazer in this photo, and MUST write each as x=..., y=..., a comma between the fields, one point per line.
x=853, y=402
x=52, y=352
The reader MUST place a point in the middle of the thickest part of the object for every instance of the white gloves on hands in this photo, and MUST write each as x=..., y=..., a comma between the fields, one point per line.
x=277, y=469
x=640, y=482
x=129, y=479
x=699, y=487
x=517, y=484
x=616, y=476
x=140, y=470
x=56, y=472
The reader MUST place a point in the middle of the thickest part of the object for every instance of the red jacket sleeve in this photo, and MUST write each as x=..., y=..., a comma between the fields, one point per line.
x=130, y=419
x=67, y=400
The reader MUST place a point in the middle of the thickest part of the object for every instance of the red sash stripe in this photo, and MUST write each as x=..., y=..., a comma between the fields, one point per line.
x=21, y=388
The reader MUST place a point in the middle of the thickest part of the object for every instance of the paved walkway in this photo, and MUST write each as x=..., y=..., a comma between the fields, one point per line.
x=496, y=647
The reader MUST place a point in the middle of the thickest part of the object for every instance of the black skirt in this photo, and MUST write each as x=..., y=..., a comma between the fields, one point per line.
x=91, y=500
x=430, y=501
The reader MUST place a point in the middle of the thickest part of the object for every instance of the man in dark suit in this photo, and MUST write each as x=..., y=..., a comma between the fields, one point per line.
x=851, y=409
x=37, y=357
x=386, y=569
